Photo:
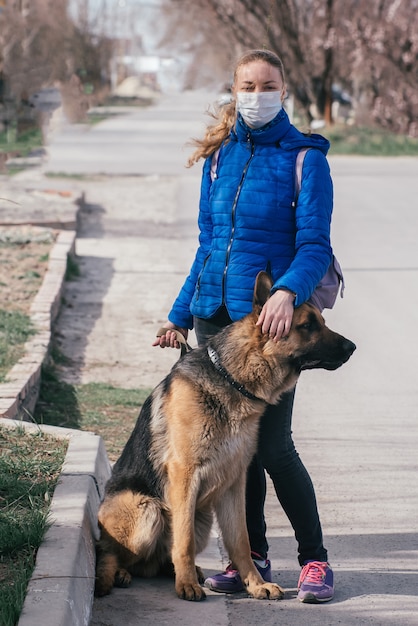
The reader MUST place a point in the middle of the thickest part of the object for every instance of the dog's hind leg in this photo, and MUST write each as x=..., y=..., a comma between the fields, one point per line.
x=106, y=568
x=135, y=532
x=230, y=512
x=109, y=573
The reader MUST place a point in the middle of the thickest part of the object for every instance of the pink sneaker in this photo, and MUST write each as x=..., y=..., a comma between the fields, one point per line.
x=230, y=581
x=316, y=582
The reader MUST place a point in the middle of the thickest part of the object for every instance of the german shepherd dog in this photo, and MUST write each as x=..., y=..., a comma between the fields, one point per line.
x=188, y=454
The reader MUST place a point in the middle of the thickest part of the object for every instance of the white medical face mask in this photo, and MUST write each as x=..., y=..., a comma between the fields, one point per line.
x=258, y=108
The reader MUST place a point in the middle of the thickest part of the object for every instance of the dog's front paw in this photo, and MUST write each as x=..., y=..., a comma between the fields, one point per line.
x=190, y=591
x=266, y=591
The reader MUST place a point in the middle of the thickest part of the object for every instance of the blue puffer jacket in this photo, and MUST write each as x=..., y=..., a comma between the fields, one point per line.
x=248, y=221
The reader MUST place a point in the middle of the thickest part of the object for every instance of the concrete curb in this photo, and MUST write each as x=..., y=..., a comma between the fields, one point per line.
x=60, y=591
x=18, y=396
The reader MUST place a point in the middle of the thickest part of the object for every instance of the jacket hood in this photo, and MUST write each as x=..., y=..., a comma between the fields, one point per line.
x=279, y=131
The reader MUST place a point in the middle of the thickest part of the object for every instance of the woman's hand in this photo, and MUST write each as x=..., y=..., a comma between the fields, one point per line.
x=276, y=315
x=169, y=340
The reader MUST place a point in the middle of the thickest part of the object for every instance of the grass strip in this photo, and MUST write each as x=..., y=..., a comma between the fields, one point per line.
x=30, y=464
x=108, y=411
x=15, y=330
x=366, y=141
x=23, y=144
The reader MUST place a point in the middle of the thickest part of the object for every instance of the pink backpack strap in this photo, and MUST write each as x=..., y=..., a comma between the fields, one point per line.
x=298, y=171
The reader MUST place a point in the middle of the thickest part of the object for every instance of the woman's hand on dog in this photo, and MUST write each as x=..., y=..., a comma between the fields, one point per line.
x=169, y=339
x=277, y=314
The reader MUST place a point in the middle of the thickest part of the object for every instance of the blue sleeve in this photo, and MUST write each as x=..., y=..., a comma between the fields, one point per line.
x=180, y=313
x=313, y=222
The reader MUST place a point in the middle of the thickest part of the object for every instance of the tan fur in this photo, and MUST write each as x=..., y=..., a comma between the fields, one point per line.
x=202, y=435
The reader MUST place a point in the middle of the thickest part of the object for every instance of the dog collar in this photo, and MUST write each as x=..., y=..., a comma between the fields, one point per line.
x=214, y=357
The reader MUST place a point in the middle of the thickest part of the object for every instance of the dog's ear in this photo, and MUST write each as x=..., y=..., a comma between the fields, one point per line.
x=263, y=285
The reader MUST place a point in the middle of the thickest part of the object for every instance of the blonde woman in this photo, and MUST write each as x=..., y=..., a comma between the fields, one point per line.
x=249, y=221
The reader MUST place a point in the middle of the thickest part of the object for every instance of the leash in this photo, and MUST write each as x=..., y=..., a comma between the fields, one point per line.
x=184, y=346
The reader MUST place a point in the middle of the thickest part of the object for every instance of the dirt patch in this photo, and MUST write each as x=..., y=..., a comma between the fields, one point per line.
x=24, y=254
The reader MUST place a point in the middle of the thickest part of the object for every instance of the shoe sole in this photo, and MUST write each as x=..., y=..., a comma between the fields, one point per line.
x=310, y=598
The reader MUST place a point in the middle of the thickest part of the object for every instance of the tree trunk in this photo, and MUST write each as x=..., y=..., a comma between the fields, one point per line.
x=329, y=65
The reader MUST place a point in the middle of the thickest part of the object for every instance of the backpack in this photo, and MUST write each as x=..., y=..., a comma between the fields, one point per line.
x=326, y=291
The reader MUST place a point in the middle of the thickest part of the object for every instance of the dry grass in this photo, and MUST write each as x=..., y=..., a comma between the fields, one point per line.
x=23, y=265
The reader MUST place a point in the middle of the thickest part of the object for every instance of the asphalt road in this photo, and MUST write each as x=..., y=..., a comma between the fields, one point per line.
x=356, y=429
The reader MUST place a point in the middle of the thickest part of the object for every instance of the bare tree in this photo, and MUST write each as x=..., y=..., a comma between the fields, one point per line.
x=34, y=49
x=300, y=32
x=41, y=47
x=378, y=62
x=368, y=47
x=200, y=38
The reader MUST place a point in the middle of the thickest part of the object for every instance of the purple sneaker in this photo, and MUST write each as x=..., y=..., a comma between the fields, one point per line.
x=230, y=581
x=316, y=582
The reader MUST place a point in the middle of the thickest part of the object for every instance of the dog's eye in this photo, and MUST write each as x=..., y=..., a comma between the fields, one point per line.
x=310, y=323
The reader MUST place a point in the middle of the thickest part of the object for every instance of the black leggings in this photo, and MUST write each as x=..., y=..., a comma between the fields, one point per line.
x=277, y=455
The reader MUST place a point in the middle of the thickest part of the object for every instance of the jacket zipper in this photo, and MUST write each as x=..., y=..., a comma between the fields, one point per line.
x=233, y=211
x=199, y=280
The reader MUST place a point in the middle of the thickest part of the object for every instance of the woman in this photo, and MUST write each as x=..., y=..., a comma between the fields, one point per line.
x=249, y=221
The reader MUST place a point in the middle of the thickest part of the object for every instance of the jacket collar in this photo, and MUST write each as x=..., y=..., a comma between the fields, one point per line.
x=272, y=132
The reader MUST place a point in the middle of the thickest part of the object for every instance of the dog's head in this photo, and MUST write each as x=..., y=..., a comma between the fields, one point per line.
x=310, y=343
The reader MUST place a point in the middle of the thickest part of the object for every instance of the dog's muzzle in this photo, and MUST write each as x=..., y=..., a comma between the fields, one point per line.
x=331, y=360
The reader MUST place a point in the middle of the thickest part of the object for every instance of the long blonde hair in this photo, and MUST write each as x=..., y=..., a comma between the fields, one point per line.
x=226, y=115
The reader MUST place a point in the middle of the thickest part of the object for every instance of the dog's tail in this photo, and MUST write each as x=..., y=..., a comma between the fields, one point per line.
x=152, y=526
x=135, y=536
